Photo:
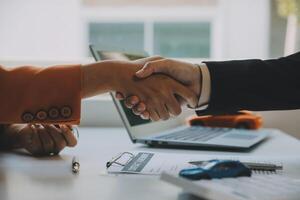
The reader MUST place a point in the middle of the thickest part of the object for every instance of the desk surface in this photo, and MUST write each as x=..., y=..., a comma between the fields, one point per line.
x=27, y=178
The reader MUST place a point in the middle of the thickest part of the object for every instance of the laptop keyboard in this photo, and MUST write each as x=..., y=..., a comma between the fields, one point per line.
x=195, y=134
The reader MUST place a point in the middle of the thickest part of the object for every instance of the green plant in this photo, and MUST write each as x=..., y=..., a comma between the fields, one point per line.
x=288, y=7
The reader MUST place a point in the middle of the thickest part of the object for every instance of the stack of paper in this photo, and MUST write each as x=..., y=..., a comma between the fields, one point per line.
x=257, y=187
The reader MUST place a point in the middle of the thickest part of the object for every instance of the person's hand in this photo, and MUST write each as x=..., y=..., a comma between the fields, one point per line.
x=184, y=72
x=158, y=92
x=40, y=139
x=98, y=78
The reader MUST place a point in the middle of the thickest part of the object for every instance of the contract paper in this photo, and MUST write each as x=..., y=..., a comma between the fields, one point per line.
x=256, y=187
x=148, y=163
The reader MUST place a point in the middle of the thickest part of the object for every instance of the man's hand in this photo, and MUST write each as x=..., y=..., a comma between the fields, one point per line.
x=158, y=92
x=40, y=140
x=98, y=78
x=184, y=72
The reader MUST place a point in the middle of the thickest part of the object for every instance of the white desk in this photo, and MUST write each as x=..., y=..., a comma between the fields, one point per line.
x=25, y=178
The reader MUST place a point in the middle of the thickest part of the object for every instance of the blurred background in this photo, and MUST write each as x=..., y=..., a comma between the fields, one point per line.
x=59, y=31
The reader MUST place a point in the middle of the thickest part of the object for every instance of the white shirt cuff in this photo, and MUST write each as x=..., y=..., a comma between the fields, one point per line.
x=205, y=87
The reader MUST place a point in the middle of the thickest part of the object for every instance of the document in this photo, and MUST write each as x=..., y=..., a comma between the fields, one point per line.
x=257, y=187
x=149, y=163
x=260, y=186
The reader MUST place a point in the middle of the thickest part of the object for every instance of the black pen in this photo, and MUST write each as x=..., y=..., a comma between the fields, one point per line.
x=75, y=165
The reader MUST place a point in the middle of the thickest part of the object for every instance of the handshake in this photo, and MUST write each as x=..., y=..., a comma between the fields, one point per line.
x=153, y=87
x=175, y=83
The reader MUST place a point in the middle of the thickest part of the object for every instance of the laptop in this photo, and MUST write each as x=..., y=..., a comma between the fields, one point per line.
x=174, y=132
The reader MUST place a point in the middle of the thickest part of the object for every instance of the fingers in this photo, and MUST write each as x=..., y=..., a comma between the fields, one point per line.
x=145, y=115
x=139, y=108
x=141, y=111
x=131, y=101
x=41, y=140
x=69, y=136
x=163, y=112
x=164, y=109
x=173, y=106
x=33, y=144
x=157, y=66
x=46, y=140
x=24, y=137
x=189, y=96
x=153, y=115
x=119, y=96
x=57, y=137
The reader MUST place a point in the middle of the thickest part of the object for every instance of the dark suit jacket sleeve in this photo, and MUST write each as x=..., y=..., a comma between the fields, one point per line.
x=254, y=85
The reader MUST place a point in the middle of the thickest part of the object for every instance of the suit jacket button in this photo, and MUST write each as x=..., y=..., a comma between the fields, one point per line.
x=66, y=112
x=27, y=117
x=53, y=113
x=41, y=115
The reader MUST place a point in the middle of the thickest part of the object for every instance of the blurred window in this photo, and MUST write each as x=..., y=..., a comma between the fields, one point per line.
x=169, y=39
x=124, y=36
x=189, y=40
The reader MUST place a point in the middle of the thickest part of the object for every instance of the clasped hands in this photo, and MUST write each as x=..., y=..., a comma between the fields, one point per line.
x=39, y=139
x=175, y=83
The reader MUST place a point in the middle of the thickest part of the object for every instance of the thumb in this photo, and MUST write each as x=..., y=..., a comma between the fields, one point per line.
x=157, y=66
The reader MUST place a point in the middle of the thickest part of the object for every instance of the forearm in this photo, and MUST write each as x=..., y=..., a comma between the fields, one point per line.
x=52, y=94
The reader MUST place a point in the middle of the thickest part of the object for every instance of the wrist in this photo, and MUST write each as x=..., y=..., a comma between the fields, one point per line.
x=205, y=86
x=197, y=80
x=115, y=73
x=98, y=78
